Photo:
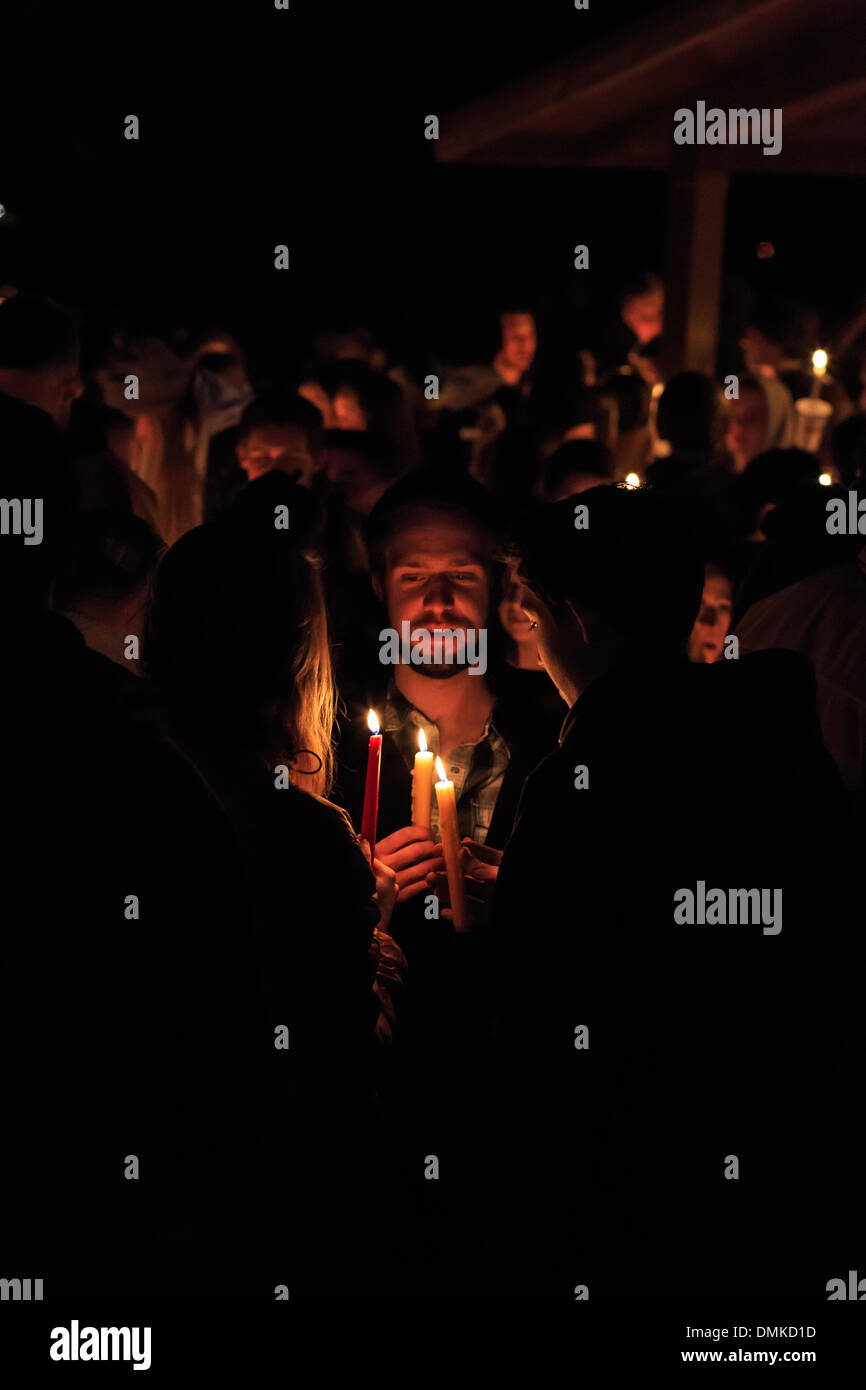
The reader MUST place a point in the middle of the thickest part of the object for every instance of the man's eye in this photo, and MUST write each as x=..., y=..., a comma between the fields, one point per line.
x=463, y=578
x=411, y=578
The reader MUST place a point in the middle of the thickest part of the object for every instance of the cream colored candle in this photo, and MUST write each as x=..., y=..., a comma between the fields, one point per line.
x=450, y=837
x=422, y=784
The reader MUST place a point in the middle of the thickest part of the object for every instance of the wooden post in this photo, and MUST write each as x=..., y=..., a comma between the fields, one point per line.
x=695, y=239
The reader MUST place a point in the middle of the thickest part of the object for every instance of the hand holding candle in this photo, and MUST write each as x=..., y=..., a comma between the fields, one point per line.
x=422, y=783
x=371, y=788
x=450, y=836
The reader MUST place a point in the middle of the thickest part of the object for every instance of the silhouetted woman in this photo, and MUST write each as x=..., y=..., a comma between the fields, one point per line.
x=236, y=644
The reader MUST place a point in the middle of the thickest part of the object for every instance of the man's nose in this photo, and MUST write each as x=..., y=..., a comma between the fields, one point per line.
x=438, y=593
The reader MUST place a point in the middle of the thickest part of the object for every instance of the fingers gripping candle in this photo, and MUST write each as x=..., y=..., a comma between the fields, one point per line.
x=450, y=836
x=422, y=783
x=371, y=787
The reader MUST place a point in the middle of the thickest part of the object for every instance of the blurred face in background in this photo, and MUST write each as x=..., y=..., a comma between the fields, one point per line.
x=511, y=615
x=285, y=447
x=519, y=342
x=356, y=477
x=52, y=388
x=708, y=635
x=348, y=412
x=644, y=315
x=163, y=375
x=747, y=425
x=759, y=353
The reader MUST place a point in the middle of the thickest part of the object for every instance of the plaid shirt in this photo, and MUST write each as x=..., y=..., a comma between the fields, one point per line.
x=476, y=769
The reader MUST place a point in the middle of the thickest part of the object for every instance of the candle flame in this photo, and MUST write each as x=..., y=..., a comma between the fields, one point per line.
x=819, y=360
x=440, y=771
x=373, y=722
x=825, y=480
x=422, y=742
x=632, y=480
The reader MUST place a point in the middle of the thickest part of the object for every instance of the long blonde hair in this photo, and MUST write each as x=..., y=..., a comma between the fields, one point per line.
x=236, y=640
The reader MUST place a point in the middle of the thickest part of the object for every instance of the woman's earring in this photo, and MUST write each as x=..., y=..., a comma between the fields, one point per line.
x=533, y=625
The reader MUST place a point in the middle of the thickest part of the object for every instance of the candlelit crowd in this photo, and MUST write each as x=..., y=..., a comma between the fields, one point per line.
x=249, y=1049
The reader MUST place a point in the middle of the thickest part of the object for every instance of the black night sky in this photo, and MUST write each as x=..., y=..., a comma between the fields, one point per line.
x=305, y=126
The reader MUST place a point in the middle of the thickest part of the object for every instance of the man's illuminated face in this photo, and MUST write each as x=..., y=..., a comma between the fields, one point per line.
x=437, y=578
x=285, y=447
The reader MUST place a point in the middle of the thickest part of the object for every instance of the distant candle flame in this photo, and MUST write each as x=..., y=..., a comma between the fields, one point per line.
x=440, y=771
x=825, y=480
x=819, y=360
x=632, y=480
x=422, y=742
x=373, y=722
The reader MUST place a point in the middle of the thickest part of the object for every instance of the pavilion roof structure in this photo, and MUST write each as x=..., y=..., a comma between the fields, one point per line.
x=611, y=104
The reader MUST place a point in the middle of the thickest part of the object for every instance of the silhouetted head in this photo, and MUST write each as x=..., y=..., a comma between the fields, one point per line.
x=236, y=640
x=616, y=583
x=39, y=355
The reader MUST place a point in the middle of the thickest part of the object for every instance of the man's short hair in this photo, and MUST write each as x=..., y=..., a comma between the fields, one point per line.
x=282, y=408
x=425, y=491
x=36, y=333
x=636, y=562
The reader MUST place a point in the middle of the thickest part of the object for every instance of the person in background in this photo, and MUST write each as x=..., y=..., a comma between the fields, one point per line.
x=707, y=637
x=40, y=355
x=148, y=373
x=522, y=685
x=278, y=430
x=575, y=467
x=101, y=578
x=361, y=398
x=761, y=418
x=517, y=349
x=101, y=443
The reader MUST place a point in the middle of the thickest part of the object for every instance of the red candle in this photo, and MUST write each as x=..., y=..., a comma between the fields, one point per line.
x=371, y=789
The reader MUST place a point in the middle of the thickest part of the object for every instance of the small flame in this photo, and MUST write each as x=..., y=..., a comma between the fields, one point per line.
x=422, y=742
x=819, y=360
x=440, y=771
x=825, y=480
x=632, y=480
x=373, y=722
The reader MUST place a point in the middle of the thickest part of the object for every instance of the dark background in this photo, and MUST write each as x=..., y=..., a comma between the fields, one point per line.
x=305, y=127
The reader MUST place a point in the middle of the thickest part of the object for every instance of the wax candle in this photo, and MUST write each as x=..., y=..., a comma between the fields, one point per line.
x=819, y=368
x=371, y=787
x=450, y=837
x=422, y=783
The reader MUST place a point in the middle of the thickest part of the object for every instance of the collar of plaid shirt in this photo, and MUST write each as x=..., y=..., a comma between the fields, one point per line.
x=476, y=769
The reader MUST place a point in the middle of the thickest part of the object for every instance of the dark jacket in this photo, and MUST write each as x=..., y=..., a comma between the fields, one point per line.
x=127, y=1030
x=705, y=1042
